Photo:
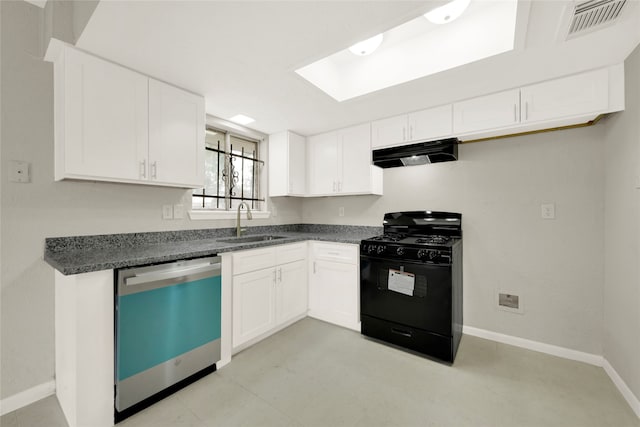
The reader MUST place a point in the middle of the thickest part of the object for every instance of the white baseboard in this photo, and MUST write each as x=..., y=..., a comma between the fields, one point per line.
x=628, y=395
x=566, y=353
x=27, y=397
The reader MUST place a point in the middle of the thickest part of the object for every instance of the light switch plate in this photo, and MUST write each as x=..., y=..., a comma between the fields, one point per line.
x=167, y=211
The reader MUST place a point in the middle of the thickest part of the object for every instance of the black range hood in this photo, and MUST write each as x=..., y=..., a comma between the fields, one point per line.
x=443, y=150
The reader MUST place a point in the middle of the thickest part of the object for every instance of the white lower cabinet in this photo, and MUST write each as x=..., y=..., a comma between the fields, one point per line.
x=253, y=304
x=333, y=284
x=268, y=298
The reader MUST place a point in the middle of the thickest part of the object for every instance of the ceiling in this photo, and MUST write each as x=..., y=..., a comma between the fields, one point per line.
x=242, y=55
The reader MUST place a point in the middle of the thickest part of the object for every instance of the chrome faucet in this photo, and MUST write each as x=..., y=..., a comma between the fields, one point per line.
x=249, y=216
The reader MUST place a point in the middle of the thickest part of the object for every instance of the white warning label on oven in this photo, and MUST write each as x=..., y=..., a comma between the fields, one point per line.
x=401, y=281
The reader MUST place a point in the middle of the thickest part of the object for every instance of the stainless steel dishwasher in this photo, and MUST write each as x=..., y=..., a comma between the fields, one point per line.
x=167, y=330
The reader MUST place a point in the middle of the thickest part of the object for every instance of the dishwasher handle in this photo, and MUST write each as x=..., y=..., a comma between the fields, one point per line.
x=186, y=272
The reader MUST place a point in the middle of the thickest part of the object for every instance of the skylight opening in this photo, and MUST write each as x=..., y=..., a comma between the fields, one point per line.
x=417, y=49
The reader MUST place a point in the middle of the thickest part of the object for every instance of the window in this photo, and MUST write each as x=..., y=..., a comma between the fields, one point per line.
x=232, y=173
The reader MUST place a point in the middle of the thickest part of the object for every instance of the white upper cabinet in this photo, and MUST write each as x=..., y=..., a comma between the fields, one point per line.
x=570, y=96
x=287, y=161
x=486, y=112
x=340, y=163
x=322, y=163
x=101, y=119
x=114, y=124
x=430, y=124
x=387, y=132
x=176, y=136
x=555, y=103
x=355, y=161
x=417, y=126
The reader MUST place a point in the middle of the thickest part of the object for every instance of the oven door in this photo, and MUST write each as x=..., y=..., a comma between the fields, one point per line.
x=386, y=294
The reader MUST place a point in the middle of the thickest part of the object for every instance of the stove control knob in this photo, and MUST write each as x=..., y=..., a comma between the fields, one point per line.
x=400, y=251
x=380, y=249
x=433, y=254
x=422, y=253
x=370, y=248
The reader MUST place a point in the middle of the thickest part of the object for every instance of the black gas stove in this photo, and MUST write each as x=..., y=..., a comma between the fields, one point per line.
x=411, y=282
x=425, y=236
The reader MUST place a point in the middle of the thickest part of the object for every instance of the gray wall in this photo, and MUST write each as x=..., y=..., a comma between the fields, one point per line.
x=622, y=233
x=44, y=208
x=498, y=186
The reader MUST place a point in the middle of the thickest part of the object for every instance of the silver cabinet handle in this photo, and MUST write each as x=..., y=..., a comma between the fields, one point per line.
x=143, y=169
x=154, y=170
x=339, y=186
x=280, y=275
x=404, y=133
x=274, y=276
x=314, y=267
x=515, y=113
x=526, y=110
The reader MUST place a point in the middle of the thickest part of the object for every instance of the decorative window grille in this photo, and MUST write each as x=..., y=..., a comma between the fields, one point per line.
x=232, y=173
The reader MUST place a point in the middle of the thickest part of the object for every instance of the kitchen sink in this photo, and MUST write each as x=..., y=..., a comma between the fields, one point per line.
x=250, y=239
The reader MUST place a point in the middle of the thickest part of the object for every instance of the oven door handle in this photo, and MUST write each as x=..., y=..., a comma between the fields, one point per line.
x=401, y=332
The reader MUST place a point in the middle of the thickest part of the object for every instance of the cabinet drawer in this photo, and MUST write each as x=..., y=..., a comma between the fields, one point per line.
x=340, y=252
x=254, y=259
x=290, y=253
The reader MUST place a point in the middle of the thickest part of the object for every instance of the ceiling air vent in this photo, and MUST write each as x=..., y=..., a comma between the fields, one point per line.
x=588, y=15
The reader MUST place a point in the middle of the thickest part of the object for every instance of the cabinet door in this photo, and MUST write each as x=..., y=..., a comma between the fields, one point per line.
x=487, y=112
x=431, y=124
x=291, y=291
x=176, y=136
x=389, y=131
x=297, y=183
x=333, y=293
x=105, y=134
x=287, y=164
x=566, y=97
x=278, y=165
x=355, y=159
x=253, y=304
x=322, y=159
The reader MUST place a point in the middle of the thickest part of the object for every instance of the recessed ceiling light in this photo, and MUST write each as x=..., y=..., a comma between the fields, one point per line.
x=367, y=46
x=448, y=12
x=241, y=119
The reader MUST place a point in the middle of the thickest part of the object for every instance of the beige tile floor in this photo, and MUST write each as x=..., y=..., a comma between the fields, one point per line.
x=316, y=374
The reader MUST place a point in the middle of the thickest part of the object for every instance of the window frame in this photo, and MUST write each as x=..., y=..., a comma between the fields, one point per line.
x=232, y=129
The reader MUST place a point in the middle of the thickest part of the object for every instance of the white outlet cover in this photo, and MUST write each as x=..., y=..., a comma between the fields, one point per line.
x=19, y=172
x=167, y=211
x=548, y=210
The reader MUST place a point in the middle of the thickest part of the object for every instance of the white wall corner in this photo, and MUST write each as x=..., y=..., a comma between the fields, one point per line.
x=27, y=397
x=628, y=395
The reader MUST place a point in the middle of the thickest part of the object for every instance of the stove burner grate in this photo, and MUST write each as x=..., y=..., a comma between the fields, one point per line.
x=433, y=240
x=389, y=237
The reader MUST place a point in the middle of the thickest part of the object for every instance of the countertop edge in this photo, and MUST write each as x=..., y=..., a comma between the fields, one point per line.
x=61, y=261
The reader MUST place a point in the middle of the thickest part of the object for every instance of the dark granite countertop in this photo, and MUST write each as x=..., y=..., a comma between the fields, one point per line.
x=83, y=254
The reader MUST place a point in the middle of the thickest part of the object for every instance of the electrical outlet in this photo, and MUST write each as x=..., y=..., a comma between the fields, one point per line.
x=19, y=172
x=178, y=211
x=341, y=211
x=510, y=302
x=548, y=210
x=167, y=211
